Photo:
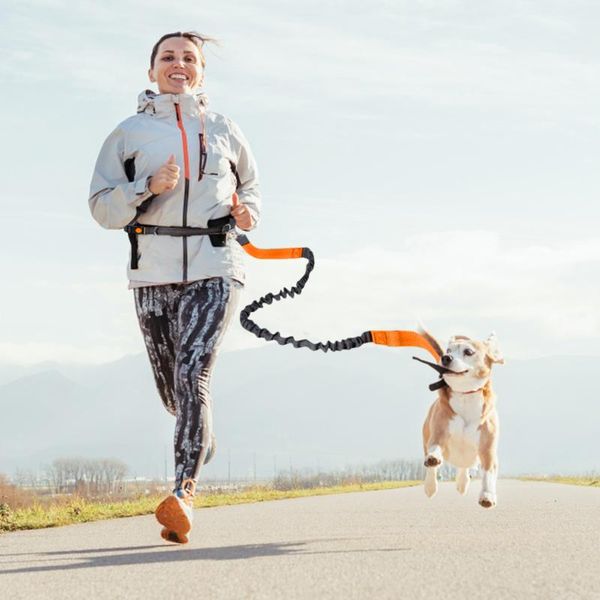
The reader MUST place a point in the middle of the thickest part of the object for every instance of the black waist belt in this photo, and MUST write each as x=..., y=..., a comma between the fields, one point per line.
x=216, y=231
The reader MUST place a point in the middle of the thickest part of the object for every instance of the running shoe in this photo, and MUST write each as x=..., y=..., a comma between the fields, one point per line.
x=176, y=513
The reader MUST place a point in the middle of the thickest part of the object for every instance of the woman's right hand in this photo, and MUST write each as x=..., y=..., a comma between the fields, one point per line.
x=165, y=178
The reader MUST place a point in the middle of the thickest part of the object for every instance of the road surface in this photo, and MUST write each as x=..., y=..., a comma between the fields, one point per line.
x=542, y=541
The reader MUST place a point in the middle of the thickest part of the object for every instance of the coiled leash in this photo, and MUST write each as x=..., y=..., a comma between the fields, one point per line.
x=385, y=338
x=217, y=230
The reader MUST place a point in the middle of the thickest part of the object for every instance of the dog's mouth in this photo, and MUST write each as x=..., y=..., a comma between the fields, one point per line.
x=440, y=368
x=451, y=372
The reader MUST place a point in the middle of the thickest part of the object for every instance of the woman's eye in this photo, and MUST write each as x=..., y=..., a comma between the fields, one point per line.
x=167, y=58
x=469, y=352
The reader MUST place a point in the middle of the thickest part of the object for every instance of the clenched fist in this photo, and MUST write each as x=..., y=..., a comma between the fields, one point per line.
x=165, y=178
x=241, y=214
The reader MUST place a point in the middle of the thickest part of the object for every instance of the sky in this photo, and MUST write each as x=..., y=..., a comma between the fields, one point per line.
x=439, y=158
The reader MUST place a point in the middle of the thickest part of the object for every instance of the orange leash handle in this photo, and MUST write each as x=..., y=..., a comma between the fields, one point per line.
x=266, y=253
x=404, y=338
x=276, y=253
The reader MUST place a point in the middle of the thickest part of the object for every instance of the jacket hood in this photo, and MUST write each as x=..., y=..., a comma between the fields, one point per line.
x=153, y=103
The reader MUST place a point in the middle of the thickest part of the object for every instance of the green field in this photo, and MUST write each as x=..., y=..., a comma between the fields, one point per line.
x=79, y=510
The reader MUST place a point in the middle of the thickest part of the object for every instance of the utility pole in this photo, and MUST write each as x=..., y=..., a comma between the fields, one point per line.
x=166, y=479
x=229, y=466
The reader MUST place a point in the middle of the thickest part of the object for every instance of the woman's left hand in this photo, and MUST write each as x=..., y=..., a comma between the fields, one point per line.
x=241, y=214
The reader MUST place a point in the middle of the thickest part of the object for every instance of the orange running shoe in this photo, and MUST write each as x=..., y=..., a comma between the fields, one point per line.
x=176, y=513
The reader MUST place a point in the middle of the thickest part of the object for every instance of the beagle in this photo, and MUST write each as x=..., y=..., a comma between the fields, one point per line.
x=462, y=424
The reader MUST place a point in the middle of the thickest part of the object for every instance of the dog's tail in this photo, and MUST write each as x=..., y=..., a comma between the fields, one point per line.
x=436, y=345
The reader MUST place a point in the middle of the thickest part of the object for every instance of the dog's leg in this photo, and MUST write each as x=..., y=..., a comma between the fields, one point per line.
x=487, y=498
x=434, y=456
x=462, y=481
x=431, y=484
x=435, y=432
x=489, y=463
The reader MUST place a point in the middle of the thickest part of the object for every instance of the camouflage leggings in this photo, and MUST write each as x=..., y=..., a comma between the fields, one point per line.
x=183, y=325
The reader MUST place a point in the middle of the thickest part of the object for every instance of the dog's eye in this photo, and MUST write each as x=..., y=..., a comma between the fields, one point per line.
x=468, y=352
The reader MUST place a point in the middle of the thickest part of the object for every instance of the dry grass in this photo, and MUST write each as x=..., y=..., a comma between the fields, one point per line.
x=590, y=481
x=79, y=510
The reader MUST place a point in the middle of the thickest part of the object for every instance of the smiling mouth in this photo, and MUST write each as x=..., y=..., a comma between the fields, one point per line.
x=451, y=372
x=179, y=77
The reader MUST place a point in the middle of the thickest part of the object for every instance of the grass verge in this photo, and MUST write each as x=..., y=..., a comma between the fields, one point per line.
x=587, y=481
x=79, y=510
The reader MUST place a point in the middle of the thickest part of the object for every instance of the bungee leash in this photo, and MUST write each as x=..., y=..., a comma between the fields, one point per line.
x=384, y=338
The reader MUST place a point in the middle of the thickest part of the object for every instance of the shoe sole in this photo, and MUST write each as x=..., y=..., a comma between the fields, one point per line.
x=170, y=514
x=172, y=536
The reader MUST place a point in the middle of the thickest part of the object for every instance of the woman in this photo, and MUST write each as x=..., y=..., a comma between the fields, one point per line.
x=177, y=165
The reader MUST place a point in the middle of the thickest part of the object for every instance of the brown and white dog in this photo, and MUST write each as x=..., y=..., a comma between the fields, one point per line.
x=462, y=424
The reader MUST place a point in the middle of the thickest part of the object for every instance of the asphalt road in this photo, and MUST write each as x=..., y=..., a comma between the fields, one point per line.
x=542, y=541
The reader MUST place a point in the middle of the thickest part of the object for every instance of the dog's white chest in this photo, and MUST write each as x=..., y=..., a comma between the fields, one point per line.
x=463, y=429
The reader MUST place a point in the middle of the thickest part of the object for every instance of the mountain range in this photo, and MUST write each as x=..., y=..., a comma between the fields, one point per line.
x=278, y=408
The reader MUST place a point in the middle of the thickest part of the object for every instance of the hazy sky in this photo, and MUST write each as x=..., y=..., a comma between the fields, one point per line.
x=439, y=157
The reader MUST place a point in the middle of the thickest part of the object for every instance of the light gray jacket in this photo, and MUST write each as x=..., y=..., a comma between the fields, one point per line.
x=137, y=148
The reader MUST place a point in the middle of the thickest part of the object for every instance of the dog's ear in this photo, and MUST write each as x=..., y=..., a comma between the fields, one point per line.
x=431, y=340
x=492, y=351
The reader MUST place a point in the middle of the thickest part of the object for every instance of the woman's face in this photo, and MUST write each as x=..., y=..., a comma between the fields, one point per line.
x=177, y=67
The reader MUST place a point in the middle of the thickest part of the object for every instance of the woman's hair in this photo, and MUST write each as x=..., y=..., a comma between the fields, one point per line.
x=197, y=38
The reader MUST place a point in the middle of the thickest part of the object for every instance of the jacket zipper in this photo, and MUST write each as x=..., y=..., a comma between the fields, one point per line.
x=203, y=156
x=186, y=191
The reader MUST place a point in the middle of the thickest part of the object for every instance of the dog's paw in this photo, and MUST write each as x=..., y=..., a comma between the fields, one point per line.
x=430, y=488
x=462, y=484
x=487, y=500
x=432, y=461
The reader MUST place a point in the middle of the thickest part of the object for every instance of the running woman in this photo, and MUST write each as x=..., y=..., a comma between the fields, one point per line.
x=177, y=164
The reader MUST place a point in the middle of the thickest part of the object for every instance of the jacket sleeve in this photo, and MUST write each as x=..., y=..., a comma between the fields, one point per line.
x=113, y=199
x=248, y=189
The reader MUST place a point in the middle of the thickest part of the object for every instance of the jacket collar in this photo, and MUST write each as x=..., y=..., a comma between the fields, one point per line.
x=164, y=104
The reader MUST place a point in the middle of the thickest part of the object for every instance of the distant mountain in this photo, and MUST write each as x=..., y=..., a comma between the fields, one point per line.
x=279, y=407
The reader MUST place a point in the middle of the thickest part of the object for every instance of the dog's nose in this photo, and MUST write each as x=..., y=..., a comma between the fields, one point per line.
x=446, y=360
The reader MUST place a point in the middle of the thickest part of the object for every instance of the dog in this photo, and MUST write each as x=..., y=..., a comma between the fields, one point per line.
x=462, y=424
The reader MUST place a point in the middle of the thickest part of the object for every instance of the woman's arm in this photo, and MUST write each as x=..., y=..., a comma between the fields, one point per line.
x=248, y=188
x=113, y=199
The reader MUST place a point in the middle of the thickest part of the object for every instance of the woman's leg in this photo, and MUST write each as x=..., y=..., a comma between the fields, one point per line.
x=156, y=308
x=204, y=312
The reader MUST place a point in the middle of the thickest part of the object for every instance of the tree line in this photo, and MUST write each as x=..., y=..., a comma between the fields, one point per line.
x=85, y=476
x=385, y=470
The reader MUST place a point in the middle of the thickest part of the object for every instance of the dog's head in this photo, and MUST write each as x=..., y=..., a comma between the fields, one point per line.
x=470, y=362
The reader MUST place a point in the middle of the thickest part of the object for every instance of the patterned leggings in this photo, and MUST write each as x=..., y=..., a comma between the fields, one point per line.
x=182, y=325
